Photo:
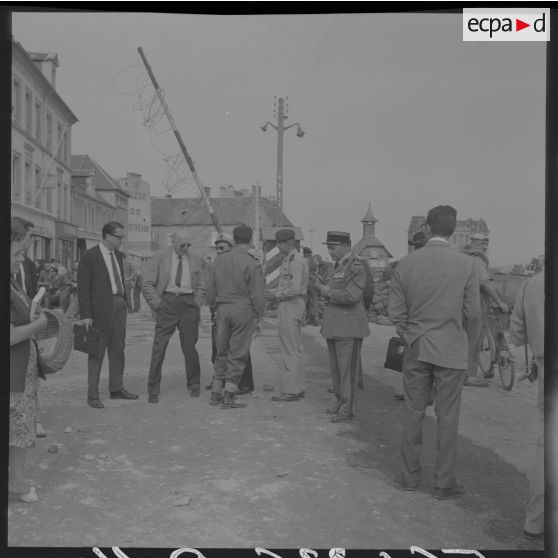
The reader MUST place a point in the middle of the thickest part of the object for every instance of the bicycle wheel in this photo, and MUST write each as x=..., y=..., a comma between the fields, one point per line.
x=506, y=363
x=486, y=356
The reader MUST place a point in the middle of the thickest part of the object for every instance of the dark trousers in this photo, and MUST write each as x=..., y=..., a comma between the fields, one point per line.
x=175, y=311
x=136, y=290
x=113, y=341
x=129, y=297
x=418, y=380
x=344, y=359
x=247, y=378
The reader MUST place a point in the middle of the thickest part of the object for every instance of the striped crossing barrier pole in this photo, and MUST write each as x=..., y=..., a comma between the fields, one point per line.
x=272, y=264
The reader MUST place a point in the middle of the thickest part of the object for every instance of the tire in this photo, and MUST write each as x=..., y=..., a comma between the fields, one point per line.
x=487, y=355
x=506, y=363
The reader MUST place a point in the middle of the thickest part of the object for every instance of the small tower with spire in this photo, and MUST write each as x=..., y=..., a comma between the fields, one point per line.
x=368, y=223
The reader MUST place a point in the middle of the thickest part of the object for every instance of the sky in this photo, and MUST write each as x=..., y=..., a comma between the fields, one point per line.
x=398, y=112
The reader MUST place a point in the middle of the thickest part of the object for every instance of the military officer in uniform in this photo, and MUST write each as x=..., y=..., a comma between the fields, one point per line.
x=291, y=295
x=236, y=287
x=344, y=323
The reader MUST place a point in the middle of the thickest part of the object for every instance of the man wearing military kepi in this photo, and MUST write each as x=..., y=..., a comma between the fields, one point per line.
x=236, y=287
x=344, y=323
x=291, y=295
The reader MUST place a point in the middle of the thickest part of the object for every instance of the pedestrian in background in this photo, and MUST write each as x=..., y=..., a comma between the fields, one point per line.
x=344, y=323
x=223, y=244
x=236, y=287
x=130, y=277
x=477, y=250
x=291, y=296
x=527, y=328
x=312, y=294
x=433, y=291
x=173, y=286
x=102, y=305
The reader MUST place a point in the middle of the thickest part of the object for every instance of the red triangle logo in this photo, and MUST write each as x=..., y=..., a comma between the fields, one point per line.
x=519, y=25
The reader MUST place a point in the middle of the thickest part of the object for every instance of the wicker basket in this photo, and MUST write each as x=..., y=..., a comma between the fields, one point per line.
x=55, y=341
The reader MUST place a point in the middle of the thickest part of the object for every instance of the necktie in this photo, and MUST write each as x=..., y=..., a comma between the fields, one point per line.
x=117, y=280
x=178, y=279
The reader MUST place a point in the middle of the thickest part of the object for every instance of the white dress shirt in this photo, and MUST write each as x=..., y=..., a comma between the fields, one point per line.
x=108, y=262
x=186, y=283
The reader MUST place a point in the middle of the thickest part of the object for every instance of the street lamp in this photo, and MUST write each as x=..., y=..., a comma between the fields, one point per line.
x=280, y=129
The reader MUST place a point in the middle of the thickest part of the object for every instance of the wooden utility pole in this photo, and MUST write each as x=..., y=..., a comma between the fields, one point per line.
x=281, y=129
x=181, y=143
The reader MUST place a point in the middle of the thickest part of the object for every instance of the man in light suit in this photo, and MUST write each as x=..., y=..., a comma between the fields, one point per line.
x=527, y=327
x=173, y=286
x=344, y=322
x=102, y=304
x=434, y=297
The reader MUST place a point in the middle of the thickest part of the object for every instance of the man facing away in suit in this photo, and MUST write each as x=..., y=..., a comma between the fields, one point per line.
x=173, y=286
x=433, y=300
x=527, y=327
x=102, y=304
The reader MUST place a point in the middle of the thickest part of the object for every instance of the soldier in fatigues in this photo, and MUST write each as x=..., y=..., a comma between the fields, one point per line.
x=344, y=322
x=291, y=294
x=236, y=286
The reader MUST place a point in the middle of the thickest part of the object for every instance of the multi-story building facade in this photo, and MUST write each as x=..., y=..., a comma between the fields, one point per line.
x=139, y=214
x=41, y=147
x=107, y=188
x=90, y=211
x=463, y=230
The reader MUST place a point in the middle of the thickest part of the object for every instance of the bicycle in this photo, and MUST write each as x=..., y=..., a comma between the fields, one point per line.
x=496, y=349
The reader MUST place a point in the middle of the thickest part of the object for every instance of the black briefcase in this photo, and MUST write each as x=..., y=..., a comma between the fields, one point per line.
x=87, y=341
x=395, y=353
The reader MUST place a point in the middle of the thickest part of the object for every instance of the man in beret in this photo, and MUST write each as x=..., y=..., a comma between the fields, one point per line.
x=344, y=322
x=291, y=295
x=477, y=249
x=236, y=287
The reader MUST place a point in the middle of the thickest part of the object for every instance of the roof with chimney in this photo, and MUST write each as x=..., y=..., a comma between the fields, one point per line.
x=103, y=181
x=30, y=59
x=229, y=211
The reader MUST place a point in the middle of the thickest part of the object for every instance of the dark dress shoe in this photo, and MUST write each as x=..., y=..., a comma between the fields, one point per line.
x=399, y=397
x=153, y=399
x=195, y=392
x=215, y=399
x=96, y=404
x=445, y=493
x=230, y=401
x=285, y=397
x=123, y=394
x=341, y=418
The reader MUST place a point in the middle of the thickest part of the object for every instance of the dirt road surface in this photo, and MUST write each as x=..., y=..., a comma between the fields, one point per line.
x=274, y=475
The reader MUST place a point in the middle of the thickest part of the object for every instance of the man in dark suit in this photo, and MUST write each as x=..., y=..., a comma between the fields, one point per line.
x=433, y=301
x=344, y=322
x=173, y=286
x=102, y=304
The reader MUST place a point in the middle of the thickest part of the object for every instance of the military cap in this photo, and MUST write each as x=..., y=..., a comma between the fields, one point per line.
x=337, y=237
x=479, y=236
x=224, y=237
x=282, y=235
